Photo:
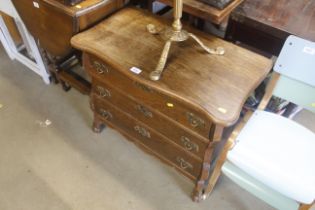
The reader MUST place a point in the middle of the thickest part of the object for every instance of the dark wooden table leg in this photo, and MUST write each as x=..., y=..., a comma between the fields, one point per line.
x=150, y=5
x=98, y=125
x=206, y=181
x=200, y=23
x=224, y=24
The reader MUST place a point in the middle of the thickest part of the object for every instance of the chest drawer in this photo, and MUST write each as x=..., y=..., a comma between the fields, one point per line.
x=90, y=18
x=189, y=141
x=147, y=138
x=180, y=111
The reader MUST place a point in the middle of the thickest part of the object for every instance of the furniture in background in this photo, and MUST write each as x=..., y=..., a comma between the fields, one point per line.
x=220, y=4
x=18, y=42
x=53, y=24
x=203, y=11
x=180, y=118
x=272, y=156
x=266, y=24
x=72, y=2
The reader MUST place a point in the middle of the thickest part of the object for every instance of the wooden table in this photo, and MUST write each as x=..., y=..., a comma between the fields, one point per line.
x=204, y=11
x=266, y=24
x=180, y=118
x=53, y=23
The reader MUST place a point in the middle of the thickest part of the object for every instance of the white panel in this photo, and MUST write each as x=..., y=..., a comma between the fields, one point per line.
x=7, y=7
x=297, y=60
x=258, y=189
x=279, y=153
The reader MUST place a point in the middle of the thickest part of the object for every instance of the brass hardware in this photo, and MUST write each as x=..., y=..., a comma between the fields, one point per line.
x=195, y=121
x=216, y=51
x=175, y=34
x=103, y=92
x=189, y=145
x=100, y=68
x=156, y=74
x=178, y=11
x=142, y=131
x=105, y=114
x=171, y=105
x=144, y=111
x=143, y=87
x=183, y=163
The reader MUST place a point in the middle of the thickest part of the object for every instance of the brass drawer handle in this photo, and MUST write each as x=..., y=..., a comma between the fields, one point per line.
x=100, y=68
x=106, y=114
x=189, y=145
x=142, y=131
x=144, y=111
x=103, y=92
x=143, y=87
x=183, y=163
x=195, y=121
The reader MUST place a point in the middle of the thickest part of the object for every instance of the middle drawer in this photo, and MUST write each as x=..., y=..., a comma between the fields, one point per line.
x=191, y=142
x=147, y=137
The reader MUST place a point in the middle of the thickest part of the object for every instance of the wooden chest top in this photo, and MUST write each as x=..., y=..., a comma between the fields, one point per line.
x=78, y=9
x=217, y=85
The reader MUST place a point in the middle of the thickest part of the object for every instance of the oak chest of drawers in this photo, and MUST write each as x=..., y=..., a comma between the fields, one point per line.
x=180, y=118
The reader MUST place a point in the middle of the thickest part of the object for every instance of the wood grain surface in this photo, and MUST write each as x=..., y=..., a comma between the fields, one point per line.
x=217, y=85
x=286, y=16
x=155, y=119
x=153, y=141
x=205, y=11
x=12, y=27
x=54, y=23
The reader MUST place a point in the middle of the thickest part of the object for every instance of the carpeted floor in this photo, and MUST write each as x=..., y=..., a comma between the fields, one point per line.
x=64, y=165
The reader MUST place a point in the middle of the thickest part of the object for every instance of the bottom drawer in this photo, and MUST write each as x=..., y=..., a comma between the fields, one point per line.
x=148, y=138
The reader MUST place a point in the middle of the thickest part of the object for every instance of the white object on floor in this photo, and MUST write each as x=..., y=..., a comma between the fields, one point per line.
x=273, y=157
x=13, y=52
x=260, y=151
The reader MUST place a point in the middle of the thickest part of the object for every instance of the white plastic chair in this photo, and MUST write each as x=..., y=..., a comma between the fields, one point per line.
x=13, y=51
x=272, y=156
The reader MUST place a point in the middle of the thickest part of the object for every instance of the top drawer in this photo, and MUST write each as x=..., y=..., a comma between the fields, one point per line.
x=175, y=109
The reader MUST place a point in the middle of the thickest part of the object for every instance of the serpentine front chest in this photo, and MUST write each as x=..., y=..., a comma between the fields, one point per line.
x=180, y=118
